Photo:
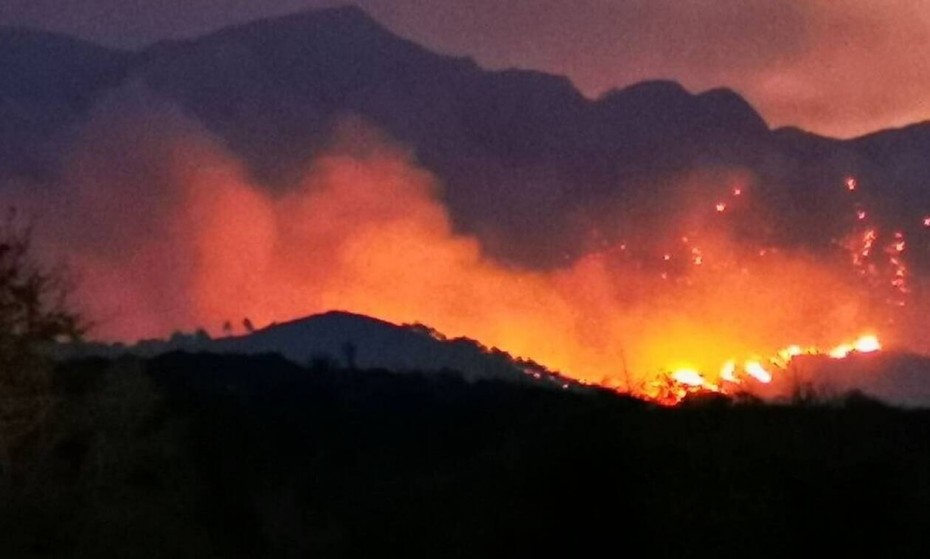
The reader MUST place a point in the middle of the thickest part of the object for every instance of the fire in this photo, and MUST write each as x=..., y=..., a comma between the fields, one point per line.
x=644, y=310
x=688, y=377
x=728, y=372
x=758, y=372
x=672, y=388
x=865, y=344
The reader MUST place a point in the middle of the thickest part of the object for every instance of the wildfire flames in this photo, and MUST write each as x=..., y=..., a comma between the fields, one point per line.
x=674, y=383
x=672, y=387
x=664, y=310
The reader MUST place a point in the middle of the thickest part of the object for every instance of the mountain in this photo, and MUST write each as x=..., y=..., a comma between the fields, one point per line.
x=48, y=82
x=349, y=340
x=528, y=164
x=510, y=146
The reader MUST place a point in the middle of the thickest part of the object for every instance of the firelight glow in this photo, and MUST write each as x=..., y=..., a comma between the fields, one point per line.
x=367, y=233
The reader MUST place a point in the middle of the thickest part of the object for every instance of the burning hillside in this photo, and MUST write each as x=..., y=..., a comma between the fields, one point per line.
x=168, y=232
x=746, y=375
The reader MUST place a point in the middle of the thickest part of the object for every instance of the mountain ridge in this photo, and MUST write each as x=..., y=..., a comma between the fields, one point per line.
x=522, y=154
x=345, y=340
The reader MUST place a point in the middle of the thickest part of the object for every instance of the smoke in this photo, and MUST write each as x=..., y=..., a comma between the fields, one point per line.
x=166, y=232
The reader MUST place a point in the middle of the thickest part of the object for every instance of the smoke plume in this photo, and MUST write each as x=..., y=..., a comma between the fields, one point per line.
x=165, y=231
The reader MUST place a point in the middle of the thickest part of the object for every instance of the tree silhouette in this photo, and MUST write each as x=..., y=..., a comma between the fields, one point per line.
x=33, y=298
x=33, y=313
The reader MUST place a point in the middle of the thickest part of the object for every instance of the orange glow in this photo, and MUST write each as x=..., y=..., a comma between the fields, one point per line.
x=689, y=379
x=366, y=231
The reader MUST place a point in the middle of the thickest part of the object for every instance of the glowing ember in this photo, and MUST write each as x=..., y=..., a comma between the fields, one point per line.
x=737, y=191
x=721, y=207
x=696, y=256
x=898, y=244
x=927, y=221
x=851, y=183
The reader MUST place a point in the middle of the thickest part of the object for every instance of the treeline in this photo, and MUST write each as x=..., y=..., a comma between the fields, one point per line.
x=197, y=455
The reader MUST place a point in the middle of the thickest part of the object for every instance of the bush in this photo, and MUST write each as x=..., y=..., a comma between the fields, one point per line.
x=33, y=312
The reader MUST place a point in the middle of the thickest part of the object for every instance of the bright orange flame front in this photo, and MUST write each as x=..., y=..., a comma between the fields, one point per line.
x=687, y=380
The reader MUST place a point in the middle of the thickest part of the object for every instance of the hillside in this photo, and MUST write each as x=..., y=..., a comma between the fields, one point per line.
x=341, y=339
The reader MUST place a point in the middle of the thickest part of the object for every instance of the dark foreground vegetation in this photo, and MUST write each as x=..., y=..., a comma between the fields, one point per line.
x=224, y=456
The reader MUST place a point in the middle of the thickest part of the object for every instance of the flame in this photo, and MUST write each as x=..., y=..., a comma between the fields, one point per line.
x=728, y=372
x=656, y=315
x=688, y=380
x=758, y=372
x=865, y=344
x=689, y=377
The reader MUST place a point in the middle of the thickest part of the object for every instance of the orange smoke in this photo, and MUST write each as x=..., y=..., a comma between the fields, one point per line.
x=364, y=231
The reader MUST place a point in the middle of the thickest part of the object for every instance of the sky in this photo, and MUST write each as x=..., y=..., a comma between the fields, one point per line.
x=837, y=67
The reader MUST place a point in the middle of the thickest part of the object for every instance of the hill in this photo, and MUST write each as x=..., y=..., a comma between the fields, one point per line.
x=341, y=339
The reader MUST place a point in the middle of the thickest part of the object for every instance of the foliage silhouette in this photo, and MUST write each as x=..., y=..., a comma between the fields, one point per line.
x=193, y=455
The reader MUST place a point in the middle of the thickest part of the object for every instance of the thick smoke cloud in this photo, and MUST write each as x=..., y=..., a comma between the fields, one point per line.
x=838, y=68
x=165, y=232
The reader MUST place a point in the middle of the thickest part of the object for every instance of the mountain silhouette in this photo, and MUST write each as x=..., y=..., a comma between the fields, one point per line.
x=347, y=340
x=528, y=164
x=48, y=81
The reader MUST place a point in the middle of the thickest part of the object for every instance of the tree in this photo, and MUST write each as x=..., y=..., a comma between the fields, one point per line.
x=34, y=306
x=34, y=312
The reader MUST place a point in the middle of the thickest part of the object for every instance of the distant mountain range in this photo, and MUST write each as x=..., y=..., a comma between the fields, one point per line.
x=527, y=162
